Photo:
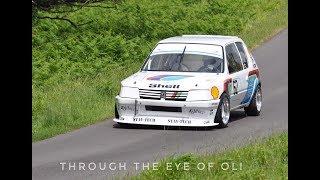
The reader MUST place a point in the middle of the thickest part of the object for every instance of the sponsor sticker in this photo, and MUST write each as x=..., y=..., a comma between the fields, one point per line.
x=140, y=119
x=212, y=111
x=179, y=121
x=195, y=111
x=126, y=108
x=206, y=122
x=163, y=85
x=168, y=77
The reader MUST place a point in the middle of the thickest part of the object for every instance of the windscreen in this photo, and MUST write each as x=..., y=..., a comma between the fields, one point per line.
x=186, y=58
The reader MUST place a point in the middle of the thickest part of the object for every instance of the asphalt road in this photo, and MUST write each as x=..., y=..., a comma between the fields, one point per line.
x=106, y=143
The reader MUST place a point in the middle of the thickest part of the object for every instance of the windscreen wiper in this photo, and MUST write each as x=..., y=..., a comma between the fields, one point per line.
x=181, y=57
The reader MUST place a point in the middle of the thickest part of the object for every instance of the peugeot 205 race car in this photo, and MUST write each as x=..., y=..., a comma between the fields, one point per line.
x=191, y=80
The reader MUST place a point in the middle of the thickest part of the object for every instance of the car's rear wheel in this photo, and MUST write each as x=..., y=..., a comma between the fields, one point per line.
x=255, y=105
x=223, y=112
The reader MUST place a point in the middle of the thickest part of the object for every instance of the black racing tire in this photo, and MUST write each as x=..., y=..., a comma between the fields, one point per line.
x=219, y=117
x=253, y=109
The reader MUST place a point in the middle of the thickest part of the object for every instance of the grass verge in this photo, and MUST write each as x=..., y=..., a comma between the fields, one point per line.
x=77, y=72
x=267, y=159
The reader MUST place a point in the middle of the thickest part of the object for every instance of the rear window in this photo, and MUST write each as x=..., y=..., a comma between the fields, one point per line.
x=242, y=54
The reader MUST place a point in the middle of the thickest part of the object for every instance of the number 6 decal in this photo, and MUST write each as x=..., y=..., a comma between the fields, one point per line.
x=235, y=86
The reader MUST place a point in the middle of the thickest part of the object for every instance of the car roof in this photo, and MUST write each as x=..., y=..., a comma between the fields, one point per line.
x=202, y=39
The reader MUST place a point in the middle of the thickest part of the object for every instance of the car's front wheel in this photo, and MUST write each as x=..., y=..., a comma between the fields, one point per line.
x=223, y=112
x=255, y=105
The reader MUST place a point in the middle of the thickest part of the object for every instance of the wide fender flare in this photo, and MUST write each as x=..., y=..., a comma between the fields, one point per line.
x=253, y=83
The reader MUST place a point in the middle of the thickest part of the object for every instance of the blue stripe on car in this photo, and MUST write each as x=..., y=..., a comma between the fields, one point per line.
x=253, y=82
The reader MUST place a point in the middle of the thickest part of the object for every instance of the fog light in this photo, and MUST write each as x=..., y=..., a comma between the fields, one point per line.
x=215, y=92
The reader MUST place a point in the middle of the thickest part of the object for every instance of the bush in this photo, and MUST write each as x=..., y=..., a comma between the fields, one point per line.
x=126, y=34
x=114, y=41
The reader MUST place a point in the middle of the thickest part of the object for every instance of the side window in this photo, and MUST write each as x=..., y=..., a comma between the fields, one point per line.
x=233, y=58
x=242, y=54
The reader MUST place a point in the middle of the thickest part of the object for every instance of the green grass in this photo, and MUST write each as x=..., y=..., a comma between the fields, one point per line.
x=267, y=159
x=77, y=71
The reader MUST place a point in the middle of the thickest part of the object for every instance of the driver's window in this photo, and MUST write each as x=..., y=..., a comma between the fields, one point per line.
x=233, y=58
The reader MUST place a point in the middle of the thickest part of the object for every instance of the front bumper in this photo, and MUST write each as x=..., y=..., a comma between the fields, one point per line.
x=185, y=113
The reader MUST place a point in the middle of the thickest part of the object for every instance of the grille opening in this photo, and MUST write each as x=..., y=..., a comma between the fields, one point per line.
x=164, y=108
x=176, y=99
x=168, y=95
x=143, y=97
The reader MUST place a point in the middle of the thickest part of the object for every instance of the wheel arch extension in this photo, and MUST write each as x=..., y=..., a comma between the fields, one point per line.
x=252, y=87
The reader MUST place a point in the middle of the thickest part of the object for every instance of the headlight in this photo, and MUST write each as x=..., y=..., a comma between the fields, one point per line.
x=199, y=95
x=129, y=92
x=215, y=92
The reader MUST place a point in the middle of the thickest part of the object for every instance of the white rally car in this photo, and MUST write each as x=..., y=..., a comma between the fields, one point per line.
x=191, y=80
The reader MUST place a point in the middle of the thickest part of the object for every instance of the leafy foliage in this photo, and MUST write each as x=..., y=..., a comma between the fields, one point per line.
x=125, y=34
x=81, y=67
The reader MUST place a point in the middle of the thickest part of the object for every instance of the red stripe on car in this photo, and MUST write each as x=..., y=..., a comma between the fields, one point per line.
x=254, y=72
x=225, y=85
